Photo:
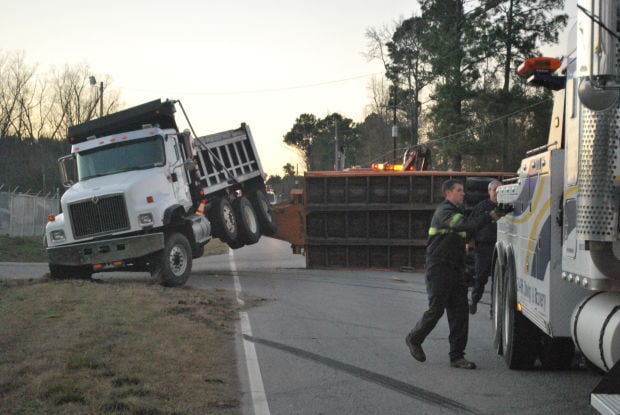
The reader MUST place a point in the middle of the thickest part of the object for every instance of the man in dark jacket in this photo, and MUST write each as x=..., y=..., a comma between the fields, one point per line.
x=484, y=243
x=445, y=284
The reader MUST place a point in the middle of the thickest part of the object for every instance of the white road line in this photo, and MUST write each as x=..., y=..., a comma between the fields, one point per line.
x=257, y=389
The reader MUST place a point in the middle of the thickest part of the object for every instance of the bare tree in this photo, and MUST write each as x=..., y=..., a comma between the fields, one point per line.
x=379, y=94
x=38, y=106
x=16, y=78
x=74, y=100
x=377, y=40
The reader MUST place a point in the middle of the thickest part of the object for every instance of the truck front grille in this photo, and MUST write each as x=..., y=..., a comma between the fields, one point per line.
x=98, y=216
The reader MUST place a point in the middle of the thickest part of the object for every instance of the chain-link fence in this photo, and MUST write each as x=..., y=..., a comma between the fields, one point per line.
x=25, y=215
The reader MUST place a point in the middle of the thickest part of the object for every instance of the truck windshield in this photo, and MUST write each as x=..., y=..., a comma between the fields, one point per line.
x=115, y=158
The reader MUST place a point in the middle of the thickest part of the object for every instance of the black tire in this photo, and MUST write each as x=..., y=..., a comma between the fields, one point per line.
x=249, y=230
x=235, y=244
x=172, y=265
x=264, y=212
x=519, y=336
x=497, y=306
x=222, y=218
x=70, y=272
x=556, y=353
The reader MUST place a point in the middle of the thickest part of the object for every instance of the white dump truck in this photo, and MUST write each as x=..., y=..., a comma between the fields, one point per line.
x=557, y=259
x=143, y=196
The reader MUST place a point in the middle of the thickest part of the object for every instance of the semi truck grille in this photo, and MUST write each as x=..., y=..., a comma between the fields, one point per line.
x=99, y=216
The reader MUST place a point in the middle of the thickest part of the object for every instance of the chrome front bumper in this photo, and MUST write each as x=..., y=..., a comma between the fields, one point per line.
x=106, y=251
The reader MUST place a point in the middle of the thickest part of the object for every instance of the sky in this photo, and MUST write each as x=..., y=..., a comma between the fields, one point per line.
x=262, y=62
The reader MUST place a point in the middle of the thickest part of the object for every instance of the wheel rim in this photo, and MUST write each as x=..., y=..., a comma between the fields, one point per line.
x=250, y=219
x=229, y=219
x=177, y=260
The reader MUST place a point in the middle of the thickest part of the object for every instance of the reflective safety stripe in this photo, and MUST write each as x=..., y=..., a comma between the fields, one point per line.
x=434, y=231
x=455, y=219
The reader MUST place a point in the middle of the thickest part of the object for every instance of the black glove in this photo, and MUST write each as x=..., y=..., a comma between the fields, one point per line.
x=506, y=208
x=501, y=211
x=496, y=214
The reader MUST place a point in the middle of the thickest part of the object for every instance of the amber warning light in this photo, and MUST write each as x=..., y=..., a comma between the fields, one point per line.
x=538, y=64
x=388, y=167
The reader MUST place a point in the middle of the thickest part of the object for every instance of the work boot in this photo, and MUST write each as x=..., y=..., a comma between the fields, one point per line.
x=473, y=307
x=415, y=349
x=463, y=363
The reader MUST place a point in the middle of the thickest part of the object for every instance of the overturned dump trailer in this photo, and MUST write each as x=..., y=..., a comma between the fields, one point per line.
x=364, y=218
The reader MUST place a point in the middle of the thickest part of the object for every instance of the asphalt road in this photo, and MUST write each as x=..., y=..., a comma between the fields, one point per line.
x=332, y=342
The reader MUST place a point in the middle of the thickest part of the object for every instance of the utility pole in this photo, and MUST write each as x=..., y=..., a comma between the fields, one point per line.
x=101, y=99
x=93, y=82
x=336, y=155
x=394, y=125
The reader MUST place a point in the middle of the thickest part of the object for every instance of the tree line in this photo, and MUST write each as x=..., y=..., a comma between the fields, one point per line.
x=450, y=84
x=36, y=108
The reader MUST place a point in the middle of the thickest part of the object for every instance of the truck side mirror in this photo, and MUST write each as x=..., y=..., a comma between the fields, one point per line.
x=68, y=170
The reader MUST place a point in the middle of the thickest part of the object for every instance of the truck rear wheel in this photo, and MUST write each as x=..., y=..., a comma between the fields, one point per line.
x=520, y=336
x=249, y=231
x=70, y=272
x=235, y=244
x=222, y=218
x=264, y=212
x=172, y=266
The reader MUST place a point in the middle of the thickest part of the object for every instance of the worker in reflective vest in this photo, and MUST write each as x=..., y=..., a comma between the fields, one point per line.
x=445, y=285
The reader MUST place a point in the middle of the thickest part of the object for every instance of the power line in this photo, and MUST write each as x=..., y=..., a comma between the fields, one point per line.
x=443, y=139
x=267, y=90
x=446, y=137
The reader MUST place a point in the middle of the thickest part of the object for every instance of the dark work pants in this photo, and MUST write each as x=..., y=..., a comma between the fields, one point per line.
x=483, y=254
x=446, y=291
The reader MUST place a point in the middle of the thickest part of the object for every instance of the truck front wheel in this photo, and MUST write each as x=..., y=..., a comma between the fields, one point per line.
x=520, y=336
x=173, y=264
x=70, y=272
x=496, y=305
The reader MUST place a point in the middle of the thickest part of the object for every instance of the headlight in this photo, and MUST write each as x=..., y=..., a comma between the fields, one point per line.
x=57, y=236
x=145, y=219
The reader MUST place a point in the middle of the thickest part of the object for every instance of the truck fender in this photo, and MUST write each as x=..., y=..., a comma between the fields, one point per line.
x=171, y=211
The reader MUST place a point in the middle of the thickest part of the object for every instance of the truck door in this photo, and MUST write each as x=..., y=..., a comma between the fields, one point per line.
x=178, y=174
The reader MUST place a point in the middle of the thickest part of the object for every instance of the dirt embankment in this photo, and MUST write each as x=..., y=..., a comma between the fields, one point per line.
x=86, y=347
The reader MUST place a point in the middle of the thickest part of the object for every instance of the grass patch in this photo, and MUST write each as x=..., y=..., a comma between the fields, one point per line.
x=76, y=347
x=215, y=247
x=31, y=249
x=28, y=249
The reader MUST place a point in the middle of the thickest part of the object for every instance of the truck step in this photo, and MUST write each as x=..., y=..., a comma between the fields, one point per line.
x=605, y=398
